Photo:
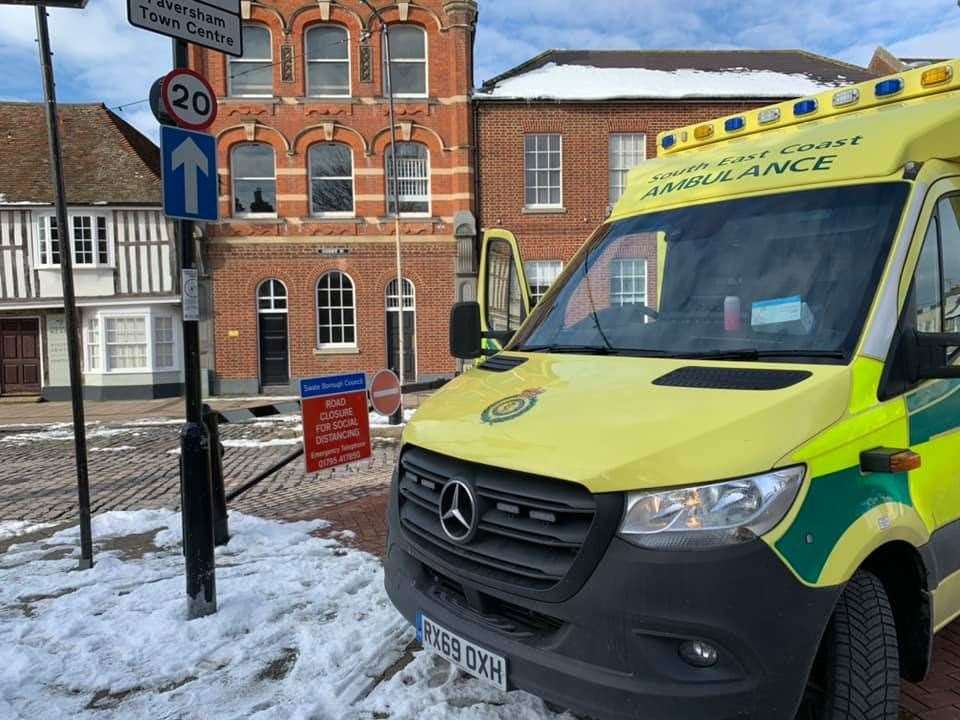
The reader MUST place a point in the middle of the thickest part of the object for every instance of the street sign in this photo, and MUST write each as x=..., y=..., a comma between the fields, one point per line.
x=73, y=4
x=385, y=393
x=189, y=99
x=336, y=425
x=215, y=24
x=189, y=172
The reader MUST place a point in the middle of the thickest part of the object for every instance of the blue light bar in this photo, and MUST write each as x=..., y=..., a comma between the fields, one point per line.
x=734, y=124
x=805, y=107
x=885, y=88
x=668, y=141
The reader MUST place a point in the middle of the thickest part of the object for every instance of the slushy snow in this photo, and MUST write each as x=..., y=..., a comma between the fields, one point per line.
x=304, y=630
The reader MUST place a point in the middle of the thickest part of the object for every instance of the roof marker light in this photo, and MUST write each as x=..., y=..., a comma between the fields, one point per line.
x=937, y=76
x=668, y=141
x=843, y=98
x=734, y=124
x=703, y=132
x=886, y=88
x=770, y=115
x=805, y=107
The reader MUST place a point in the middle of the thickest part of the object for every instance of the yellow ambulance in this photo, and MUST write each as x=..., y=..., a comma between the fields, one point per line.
x=715, y=472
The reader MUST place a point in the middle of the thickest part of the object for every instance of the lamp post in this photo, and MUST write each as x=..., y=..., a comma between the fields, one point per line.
x=388, y=87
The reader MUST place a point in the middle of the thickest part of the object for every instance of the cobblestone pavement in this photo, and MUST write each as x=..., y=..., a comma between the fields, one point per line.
x=136, y=465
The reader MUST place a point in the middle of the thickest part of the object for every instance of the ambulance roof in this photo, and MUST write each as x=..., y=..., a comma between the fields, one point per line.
x=869, y=130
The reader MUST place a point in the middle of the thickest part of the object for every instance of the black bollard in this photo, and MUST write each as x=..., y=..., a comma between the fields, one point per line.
x=196, y=496
x=221, y=527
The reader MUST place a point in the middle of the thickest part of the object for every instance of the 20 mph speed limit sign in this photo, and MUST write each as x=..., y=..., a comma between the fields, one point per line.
x=189, y=99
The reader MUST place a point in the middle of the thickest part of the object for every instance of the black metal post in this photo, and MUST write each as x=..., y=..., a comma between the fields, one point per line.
x=69, y=301
x=221, y=527
x=196, y=493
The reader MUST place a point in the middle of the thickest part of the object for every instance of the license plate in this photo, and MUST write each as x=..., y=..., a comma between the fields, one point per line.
x=473, y=659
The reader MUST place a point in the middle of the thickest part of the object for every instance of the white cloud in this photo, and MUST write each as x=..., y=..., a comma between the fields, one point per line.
x=98, y=56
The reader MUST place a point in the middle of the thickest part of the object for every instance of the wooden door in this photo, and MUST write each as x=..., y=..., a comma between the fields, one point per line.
x=19, y=356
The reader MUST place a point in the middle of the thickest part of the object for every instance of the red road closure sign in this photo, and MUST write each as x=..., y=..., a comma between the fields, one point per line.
x=385, y=394
x=336, y=424
x=189, y=99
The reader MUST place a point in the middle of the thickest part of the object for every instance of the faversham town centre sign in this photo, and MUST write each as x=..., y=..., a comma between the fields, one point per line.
x=211, y=23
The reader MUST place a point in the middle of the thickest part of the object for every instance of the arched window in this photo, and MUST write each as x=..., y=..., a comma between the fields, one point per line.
x=254, y=180
x=408, y=60
x=409, y=296
x=413, y=170
x=272, y=297
x=252, y=74
x=336, y=311
x=331, y=180
x=328, y=61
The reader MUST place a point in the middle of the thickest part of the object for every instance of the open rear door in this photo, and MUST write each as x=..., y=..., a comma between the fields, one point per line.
x=503, y=293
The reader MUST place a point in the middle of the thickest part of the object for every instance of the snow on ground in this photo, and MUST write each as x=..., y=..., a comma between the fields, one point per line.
x=118, y=448
x=582, y=82
x=12, y=528
x=378, y=420
x=63, y=431
x=304, y=630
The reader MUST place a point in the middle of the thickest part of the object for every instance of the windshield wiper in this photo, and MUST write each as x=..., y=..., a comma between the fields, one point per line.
x=572, y=349
x=757, y=354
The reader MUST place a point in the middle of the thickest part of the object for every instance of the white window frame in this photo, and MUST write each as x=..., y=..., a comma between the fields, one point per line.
x=172, y=342
x=353, y=184
x=42, y=237
x=425, y=62
x=620, y=167
x=534, y=271
x=308, y=61
x=356, y=325
x=428, y=177
x=234, y=178
x=149, y=314
x=232, y=61
x=272, y=297
x=542, y=206
x=92, y=344
x=621, y=297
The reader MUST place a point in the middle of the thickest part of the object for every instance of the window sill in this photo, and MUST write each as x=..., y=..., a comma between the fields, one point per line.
x=251, y=220
x=333, y=219
x=559, y=210
x=77, y=267
x=345, y=350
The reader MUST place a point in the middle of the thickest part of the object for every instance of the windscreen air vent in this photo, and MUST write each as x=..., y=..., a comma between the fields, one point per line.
x=720, y=378
x=502, y=363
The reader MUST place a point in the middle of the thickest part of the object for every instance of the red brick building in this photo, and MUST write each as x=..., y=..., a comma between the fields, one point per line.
x=302, y=263
x=558, y=134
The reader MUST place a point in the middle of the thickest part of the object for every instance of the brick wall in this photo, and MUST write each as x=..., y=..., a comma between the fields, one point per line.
x=586, y=129
x=244, y=251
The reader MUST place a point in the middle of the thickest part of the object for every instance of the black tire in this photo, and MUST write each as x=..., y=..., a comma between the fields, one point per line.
x=857, y=672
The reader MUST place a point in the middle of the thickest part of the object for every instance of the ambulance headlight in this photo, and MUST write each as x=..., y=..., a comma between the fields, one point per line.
x=707, y=516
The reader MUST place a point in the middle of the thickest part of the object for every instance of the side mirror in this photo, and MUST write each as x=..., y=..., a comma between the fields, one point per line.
x=930, y=356
x=465, y=331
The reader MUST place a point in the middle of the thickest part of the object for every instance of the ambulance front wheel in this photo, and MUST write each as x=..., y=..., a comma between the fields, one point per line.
x=857, y=672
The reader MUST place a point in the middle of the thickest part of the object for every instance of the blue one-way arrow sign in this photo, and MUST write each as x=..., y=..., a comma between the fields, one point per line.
x=189, y=170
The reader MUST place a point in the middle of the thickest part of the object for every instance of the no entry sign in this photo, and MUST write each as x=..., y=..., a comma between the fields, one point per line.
x=385, y=394
x=336, y=426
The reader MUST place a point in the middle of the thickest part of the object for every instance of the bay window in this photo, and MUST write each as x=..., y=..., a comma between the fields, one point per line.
x=127, y=341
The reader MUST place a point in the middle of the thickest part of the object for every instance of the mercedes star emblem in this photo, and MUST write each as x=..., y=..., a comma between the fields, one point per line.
x=458, y=511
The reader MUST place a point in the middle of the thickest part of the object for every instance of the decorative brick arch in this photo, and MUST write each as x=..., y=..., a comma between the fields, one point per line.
x=330, y=132
x=417, y=133
x=338, y=15
x=253, y=132
x=416, y=14
x=260, y=12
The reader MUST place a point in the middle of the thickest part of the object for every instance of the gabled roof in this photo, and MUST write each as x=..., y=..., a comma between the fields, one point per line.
x=671, y=74
x=106, y=160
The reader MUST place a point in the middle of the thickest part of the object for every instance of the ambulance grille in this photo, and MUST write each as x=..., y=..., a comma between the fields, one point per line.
x=533, y=532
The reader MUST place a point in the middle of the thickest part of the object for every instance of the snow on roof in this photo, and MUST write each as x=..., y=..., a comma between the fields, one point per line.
x=584, y=82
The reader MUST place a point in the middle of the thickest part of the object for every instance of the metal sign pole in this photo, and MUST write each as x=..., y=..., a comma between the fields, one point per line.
x=196, y=492
x=69, y=301
x=397, y=417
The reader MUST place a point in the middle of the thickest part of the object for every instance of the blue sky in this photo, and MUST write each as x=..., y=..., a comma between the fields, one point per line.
x=99, y=57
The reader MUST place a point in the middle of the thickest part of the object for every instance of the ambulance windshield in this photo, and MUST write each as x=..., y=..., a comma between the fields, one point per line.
x=786, y=277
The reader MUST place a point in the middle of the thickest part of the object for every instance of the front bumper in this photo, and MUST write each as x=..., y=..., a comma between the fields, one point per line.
x=611, y=650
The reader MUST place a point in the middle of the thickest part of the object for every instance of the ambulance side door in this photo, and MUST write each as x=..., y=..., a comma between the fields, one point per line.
x=502, y=292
